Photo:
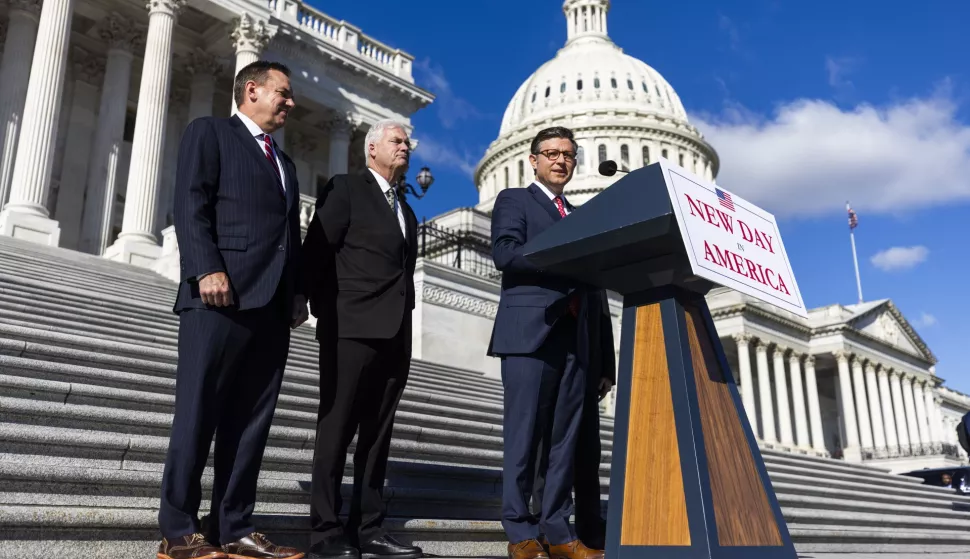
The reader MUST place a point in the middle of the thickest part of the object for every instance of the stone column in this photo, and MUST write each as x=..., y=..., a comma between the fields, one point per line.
x=922, y=423
x=123, y=38
x=249, y=38
x=781, y=393
x=25, y=215
x=875, y=407
x=888, y=417
x=137, y=244
x=204, y=69
x=862, y=404
x=915, y=438
x=902, y=428
x=933, y=420
x=18, y=52
x=814, y=406
x=764, y=392
x=850, y=446
x=341, y=129
x=798, y=400
x=747, y=383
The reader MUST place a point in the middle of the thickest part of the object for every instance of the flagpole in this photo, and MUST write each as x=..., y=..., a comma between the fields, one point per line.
x=855, y=257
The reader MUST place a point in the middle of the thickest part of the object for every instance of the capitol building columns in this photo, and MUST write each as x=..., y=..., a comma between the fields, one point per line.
x=136, y=244
x=18, y=52
x=249, y=38
x=764, y=391
x=747, y=384
x=814, y=406
x=798, y=400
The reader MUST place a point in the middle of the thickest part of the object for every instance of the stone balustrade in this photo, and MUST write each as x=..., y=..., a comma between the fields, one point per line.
x=343, y=35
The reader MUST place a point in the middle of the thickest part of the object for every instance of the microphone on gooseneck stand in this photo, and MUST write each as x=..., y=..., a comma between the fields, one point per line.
x=608, y=168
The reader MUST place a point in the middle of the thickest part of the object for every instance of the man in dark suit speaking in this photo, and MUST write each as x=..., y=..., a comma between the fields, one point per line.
x=541, y=333
x=238, y=229
x=361, y=247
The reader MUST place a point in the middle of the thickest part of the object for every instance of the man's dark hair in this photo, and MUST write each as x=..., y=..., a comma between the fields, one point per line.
x=258, y=72
x=549, y=133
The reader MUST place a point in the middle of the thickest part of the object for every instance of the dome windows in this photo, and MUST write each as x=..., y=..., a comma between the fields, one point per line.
x=629, y=84
x=580, y=160
x=602, y=153
x=645, y=90
x=521, y=173
x=646, y=156
x=596, y=83
x=533, y=96
x=562, y=87
x=579, y=84
x=680, y=159
x=506, y=176
x=613, y=82
x=547, y=91
x=624, y=157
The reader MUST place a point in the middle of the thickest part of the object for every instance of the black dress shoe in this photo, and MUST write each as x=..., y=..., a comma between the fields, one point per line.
x=337, y=547
x=386, y=546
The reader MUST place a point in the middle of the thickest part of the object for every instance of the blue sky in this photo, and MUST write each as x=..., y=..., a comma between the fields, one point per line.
x=807, y=105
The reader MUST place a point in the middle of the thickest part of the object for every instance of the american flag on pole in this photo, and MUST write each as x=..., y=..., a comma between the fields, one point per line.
x=724, y=198
x=853, y=218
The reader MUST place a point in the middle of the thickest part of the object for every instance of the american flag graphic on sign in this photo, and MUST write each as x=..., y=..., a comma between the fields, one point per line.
x=725, y=199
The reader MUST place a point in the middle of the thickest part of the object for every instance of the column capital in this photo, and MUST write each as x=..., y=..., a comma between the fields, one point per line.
x=842, y=356
x=31, y=7
x=870, y=366
x=780, y=350
x=343, y=124
x=170, y=7
x=761, y=346
x=88, y=67
x=881, y=370
x=810, y=361
x=742, y=339
x=121, y=33
x=856, y=361
x=249, y=34
x=200, y=62
x=794, y=357
x=301, y=143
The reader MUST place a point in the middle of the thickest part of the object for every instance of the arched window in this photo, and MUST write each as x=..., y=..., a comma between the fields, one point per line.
x=645, y=90
x=579, y=85
x=521, y=173
x=602, y=153
x=664, y=154
x=646, y=156
x=533, y=96
x=680, y=159
x=629, y=84
x=580, y=160
x=625, y=157
x=506, y=176
x=596, y=83
x=562, y=87
x=613, y=82
x=547, y=91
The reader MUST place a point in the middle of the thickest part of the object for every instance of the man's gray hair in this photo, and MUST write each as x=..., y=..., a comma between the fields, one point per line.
x=376, y=132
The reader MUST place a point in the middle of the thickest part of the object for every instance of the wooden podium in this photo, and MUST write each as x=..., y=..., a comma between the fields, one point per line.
x=687, y=477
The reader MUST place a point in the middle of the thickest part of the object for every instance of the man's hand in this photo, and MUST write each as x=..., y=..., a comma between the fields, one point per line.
x=300, y=312
x=605, y=386
x=215, y=289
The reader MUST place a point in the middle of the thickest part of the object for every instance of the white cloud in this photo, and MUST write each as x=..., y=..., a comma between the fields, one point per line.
x=899, y=258
x=438, y=154
x=450, y=107
x=926, y=320
x=811, y=156
x=839, y=69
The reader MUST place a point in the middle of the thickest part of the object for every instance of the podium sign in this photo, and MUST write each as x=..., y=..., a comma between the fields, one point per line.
x=732, y=242
x=687, y=478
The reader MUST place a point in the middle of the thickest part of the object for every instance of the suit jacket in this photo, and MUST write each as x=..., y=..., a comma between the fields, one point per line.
x=231, y=215
x=532, y=301
x=360, y=267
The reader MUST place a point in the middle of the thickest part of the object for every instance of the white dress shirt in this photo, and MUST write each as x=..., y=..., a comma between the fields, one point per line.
x=258, y=134
x=385, y=187
x=552, y=197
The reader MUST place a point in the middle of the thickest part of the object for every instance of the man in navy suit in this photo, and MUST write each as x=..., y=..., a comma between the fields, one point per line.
x=238, y=229
x=541, y=334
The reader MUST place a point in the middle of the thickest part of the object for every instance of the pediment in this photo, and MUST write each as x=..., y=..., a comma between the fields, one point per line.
x=887, y=324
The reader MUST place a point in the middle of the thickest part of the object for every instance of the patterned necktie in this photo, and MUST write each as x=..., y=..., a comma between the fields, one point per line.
x=268, y=152
x=560, y=206
x=389, y=194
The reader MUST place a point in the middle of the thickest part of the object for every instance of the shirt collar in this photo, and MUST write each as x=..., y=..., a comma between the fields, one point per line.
x=253, y=128
x=549, y=193
x=385, y=186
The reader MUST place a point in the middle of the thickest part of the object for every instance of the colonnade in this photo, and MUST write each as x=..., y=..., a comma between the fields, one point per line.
x=883, y=411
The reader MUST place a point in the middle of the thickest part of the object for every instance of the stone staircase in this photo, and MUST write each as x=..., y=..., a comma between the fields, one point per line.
x=87, y=367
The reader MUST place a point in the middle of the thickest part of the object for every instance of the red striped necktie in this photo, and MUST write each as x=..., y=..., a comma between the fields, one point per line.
x=268, y=152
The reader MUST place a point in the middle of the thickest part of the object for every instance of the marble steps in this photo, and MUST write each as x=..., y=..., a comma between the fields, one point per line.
x=11, y=248
x=89, y=268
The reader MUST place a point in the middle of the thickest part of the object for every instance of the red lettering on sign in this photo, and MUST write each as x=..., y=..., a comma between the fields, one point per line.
x=744, y=266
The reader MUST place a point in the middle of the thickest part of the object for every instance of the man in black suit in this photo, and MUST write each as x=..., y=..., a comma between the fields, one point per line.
x=541, y=333
x=362, y=244
x=238, y=228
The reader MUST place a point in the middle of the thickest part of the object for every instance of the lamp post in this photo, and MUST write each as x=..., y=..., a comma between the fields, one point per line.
x=424, y=178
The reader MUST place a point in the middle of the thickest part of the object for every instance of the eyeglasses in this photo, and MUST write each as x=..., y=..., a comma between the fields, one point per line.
x=553, y=155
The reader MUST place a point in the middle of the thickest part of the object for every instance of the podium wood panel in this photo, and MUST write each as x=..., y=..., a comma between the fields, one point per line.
x=654, y=505
x=743, y=515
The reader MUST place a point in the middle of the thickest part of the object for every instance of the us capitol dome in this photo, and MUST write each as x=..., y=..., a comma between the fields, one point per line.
x=618, y=107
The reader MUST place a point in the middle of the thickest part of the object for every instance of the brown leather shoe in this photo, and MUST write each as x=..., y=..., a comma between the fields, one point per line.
x=256, y=546
x=528, y=549
x=192, y=546
x=574, y=550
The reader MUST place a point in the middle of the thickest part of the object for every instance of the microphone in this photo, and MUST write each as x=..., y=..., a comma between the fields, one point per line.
x=608, y=168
